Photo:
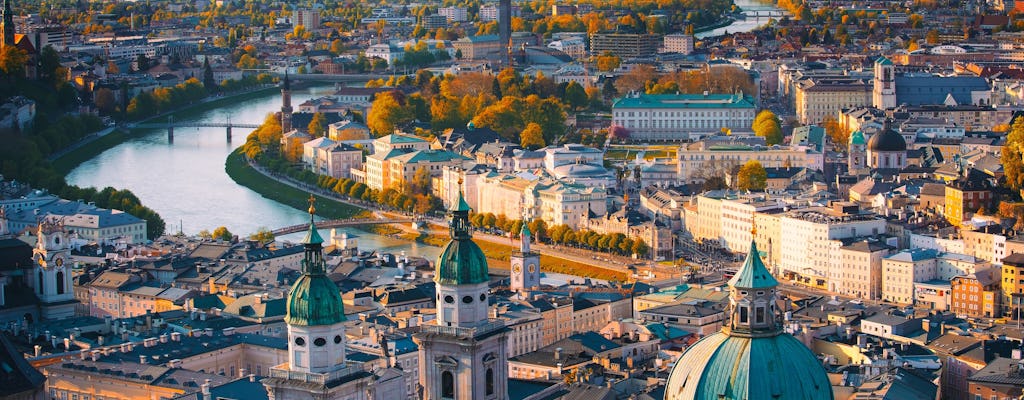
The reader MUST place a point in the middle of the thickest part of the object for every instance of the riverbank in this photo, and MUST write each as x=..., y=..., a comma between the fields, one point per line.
x=245, y=175
x=92, y=146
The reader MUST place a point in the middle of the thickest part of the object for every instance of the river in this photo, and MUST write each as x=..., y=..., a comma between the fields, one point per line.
x=743, y=25
x=185, y=181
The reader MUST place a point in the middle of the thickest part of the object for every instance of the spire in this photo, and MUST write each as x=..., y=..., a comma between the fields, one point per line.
x=753, y=274
x=313, y=262
x=8, y=24
x=458, y=225
x=287, y=83
x=752, y=298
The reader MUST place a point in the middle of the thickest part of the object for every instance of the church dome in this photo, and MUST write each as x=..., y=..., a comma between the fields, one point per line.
x=751, y=358
x=723, y=366
x=887, y=140
x=461, y=262
x=314, y=298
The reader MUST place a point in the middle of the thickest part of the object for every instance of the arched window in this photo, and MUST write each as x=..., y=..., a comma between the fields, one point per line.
x=60, y=282
x=743, y=314
x=40, y=282
x=447, y=385
x=490, y=381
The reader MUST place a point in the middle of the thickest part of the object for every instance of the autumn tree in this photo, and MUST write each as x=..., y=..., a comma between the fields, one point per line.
x=752, y=177
x=262, y=235
x=768, y=126
x=532, y=137
x=839, y=135
x=12, y=62
x=608, y=62
x=388, y=112
x=317, y=125
x=222, y=233
x=1013, y=166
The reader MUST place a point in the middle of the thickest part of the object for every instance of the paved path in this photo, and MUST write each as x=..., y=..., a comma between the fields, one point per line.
x=81, y=142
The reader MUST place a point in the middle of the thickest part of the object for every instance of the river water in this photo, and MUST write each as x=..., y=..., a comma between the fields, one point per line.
x=185, y=182
x=745, y=25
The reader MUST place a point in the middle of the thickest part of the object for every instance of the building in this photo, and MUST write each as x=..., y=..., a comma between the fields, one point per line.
x=309, y=18
x=679, y=117
x=679, y=43
x=328, y=157
x=625, y=45
x=51, y=275
x=887, y=149
x=317, y=366
x=810, y=239
x=861, y=275
x=1012, y=283
x=912, y=276
x=817, y=98
x=462, y=354
x=453, y=14
x=483, y=47
x=752, y=356
x=883, y=92
x=977, y=295
x=695, y=159
x=87, y=221
x=387, y=52
x=525, y=264
x=966, y=195
x=572, y=46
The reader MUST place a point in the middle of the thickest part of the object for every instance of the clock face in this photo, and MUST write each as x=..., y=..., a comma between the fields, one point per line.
x=60, y=261
x=516, y=269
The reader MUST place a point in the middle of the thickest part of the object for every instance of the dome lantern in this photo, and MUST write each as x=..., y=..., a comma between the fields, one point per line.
x=314, y=298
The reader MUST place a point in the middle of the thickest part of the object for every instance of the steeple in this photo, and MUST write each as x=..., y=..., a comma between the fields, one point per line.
x=752, y=298
x=314, y=298
x=313, y=263
x=8, y=26
x=458, y=226
x=286, y=104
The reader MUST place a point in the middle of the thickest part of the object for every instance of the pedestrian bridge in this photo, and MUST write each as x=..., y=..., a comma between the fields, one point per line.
x=337, y=223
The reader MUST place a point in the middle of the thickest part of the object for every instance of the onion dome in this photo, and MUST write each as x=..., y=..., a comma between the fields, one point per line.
x=751, y=358
x=461, y=262
x=314, y=298
x=857, y=138
x=887, y=140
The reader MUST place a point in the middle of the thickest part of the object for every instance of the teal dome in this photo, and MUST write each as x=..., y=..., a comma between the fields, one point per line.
x=721, y=366
x=315, y=300
x=461, y=263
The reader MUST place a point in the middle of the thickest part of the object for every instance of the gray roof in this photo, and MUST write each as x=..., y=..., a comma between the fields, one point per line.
x=920, y=89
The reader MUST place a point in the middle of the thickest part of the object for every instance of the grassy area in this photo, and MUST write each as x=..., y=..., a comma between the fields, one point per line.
x=244, y=175
x=64, y=164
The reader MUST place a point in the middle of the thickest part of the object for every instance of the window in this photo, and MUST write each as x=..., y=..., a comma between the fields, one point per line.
x=60, y=282
x=490, y=381
x=743, y=314
x=759, y=314
x=447, y=385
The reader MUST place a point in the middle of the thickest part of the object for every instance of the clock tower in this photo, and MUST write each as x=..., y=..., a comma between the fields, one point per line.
x=525, y=263
x=51, y=277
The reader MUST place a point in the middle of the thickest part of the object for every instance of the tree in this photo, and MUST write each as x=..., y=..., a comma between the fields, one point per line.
x=752, y=177
x=532, y=137
x=12, y=62
x=208, y=82
x=262, y=235
x=932, y=37
x=317, y=124
x=767, y=125
x=387, y=113
x=608, y=62
x=1013, y=166
x=575, y=96
x=104, y=99
x=49, y=65
x=839, y=135
x=222, y=233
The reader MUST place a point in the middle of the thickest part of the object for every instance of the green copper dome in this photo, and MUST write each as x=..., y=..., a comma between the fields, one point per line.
x=727, y=367
x=857, y=137
x=314, y=298
x=461, y=262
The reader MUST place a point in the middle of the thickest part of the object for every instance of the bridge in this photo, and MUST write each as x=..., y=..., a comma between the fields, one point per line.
x=337, y=223
x=765, y=13
x=170, y=125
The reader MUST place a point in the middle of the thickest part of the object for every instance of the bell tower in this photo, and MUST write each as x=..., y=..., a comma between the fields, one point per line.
x=883, y=95
x=525, y=263
x=8, y=24
x=462, y=354
x=286, y=104
x=51, y=277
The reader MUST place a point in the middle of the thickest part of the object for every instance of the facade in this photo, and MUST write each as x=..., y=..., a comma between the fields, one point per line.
x=817, y=98
x=861, y=275
x=751, y=357
x=883, y=94
x=525, y=264
x=453, y=14
x=386, y=52
x=309, y=18
x=462, y=355
x=809, y=235
x=327, y=157
x=51, y=277
x=625, y=45
x=677, y=117
x=692, y=159
x=573, y=47
x=977, y=295
x=679, y=43
x=966, y=195
x=479, y=47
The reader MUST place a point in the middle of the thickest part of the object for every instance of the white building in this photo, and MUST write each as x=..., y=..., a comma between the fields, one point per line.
x=679, y=43
x=307, y=18
x=809, y=236
x=682, y=116
x=454, y=14
x=573, y=47
x=386, y=52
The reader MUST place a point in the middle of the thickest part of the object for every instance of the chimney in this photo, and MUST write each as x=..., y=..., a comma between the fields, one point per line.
x=163, y=338
x=100, y=340
x=558, y=353
x=67, y=344
x=175, y=363
x=206, y=389
x=229, y=331
x=252, y=377
x=142, y=358
x=926, y=324
x=241, y=372
x=38, y=350
x=175, y=337
x=95, y=355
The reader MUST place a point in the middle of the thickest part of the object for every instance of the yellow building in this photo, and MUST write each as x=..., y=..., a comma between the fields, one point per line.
x=819, y=98
x=1012, y=282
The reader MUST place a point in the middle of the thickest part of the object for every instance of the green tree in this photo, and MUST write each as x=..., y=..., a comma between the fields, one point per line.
x=532, y=137
x=575, y=96
x=317, y=125
x=752, y=177
x=208, y=82
x=49, y=65
x=767, y=125
x=222, y=233
x=1013, y=166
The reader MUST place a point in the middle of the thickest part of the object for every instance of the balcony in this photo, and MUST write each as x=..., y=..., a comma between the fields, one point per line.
x=283, y=372
x=472, y=332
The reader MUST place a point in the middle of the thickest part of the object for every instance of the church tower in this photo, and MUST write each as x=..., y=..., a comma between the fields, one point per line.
x=462, y=354
x=857, y=157
x=883, y=95
x=315, y=315
x=8, y=26
x=286, y=104
x=525, y=263
x=51, y=277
